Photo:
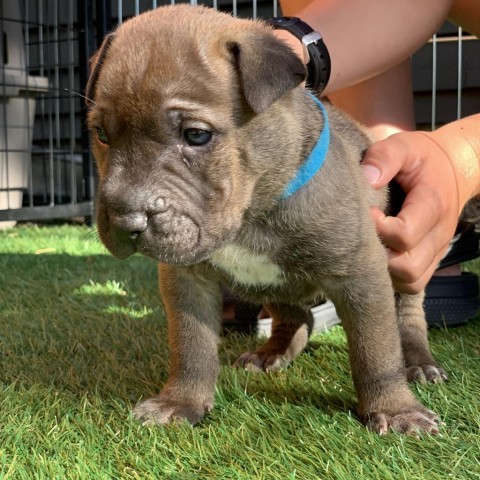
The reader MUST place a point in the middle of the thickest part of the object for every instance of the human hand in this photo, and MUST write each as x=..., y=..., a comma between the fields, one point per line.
x=419, y=235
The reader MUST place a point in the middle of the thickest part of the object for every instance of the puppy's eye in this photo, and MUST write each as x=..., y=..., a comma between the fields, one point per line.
x=101, y=135
x=196, y=137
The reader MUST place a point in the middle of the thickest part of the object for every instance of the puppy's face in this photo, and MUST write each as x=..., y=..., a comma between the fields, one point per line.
x=169, y=116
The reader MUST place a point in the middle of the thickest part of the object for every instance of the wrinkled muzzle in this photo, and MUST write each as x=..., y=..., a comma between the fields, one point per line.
x=161, y=228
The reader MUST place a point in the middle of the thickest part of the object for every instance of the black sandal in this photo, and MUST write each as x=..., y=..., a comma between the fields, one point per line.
x=453, y=300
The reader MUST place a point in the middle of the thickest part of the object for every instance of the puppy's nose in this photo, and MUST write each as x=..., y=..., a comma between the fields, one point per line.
x=129, y=226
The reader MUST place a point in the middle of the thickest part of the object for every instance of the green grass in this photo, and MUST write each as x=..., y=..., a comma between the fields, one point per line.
x=83, y=338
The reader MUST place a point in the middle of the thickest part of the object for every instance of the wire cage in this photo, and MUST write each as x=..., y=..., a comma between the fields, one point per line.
x=46, y=168
x=44, y=171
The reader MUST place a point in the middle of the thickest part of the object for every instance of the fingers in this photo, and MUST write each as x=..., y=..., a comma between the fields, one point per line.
x=419, y=216
x=419, y=235
x=412, y=270
x=417, y=239
x=384, y=160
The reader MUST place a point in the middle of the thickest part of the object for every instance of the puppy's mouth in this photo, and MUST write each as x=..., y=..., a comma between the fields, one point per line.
x=167, y=236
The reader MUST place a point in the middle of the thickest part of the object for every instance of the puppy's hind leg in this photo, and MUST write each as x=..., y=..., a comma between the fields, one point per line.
x=419, y=363
x=291, y=327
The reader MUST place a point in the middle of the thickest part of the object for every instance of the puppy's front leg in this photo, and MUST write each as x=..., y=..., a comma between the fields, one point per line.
x=367, y=308
x=193, y=307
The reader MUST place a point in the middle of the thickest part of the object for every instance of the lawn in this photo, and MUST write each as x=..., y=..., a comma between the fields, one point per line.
x=83, y=338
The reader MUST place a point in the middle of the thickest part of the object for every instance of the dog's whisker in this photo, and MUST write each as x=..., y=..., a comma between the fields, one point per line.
x=79, y=95
x=90, y=233
x=93, y=237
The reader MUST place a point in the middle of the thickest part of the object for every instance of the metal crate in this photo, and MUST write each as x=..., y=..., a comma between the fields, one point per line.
x=57, y=177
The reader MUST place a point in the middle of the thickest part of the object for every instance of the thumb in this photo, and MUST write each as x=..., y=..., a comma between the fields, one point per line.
x=382, y=162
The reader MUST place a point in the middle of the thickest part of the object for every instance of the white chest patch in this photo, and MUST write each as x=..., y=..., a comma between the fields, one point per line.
x=246, y=267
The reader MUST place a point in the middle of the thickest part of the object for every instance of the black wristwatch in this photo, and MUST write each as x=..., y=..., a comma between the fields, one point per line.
x=318, y=66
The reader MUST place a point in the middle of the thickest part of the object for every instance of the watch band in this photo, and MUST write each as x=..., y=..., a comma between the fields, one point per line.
x=318, y=66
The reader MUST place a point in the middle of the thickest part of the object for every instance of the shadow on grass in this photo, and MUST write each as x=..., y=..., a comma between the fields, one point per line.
x=80, y=322
x=83, y=324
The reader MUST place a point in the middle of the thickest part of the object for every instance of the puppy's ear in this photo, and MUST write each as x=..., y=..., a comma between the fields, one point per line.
x=96, y=63
x=267, y=67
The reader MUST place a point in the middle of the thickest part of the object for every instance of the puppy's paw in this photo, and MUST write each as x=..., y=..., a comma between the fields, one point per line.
x=413, y=423
x=162, y=410
x=426, y=373
x=261, y=362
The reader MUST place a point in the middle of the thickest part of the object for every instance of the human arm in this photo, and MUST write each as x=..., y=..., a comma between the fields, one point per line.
x=383, y=104
x=466, y=14
x=440, y=172
x=367, y=37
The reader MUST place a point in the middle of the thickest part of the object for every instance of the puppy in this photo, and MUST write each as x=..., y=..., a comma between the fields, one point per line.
x=204, y=138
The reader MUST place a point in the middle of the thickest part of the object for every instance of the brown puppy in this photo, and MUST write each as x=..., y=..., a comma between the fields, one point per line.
x=199, y=123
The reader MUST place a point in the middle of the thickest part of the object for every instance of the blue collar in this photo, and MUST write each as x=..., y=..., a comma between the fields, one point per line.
x=315, y=160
